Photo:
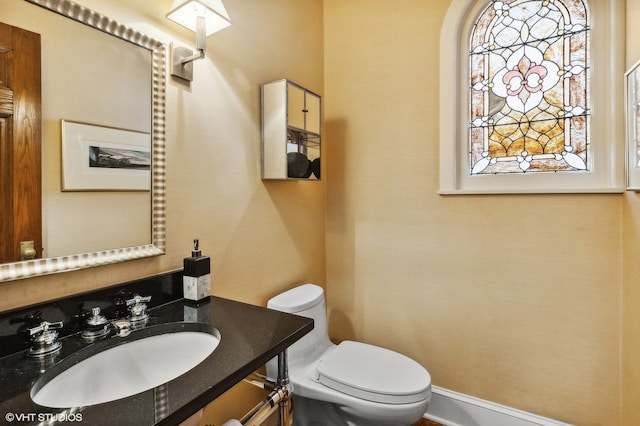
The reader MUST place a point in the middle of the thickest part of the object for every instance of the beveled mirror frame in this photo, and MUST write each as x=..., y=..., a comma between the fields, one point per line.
x=37, y=267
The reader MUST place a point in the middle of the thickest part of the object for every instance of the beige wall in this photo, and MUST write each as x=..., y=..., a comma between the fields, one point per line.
x=515, y=299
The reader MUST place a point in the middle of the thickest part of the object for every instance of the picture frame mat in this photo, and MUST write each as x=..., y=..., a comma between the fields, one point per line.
x=77, y=175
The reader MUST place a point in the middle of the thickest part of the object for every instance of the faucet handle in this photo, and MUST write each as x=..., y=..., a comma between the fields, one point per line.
x=44, y=339
x=138, y=308
x=96, y=319
x=97, y=326
x=46, y=327
x=138, y=299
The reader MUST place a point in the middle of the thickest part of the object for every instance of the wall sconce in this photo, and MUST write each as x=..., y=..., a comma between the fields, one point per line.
x=205, y=17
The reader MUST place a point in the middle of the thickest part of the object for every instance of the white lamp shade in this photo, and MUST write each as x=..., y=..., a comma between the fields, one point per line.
x=185, y=13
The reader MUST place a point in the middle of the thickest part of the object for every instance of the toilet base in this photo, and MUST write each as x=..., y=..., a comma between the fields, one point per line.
x=311, y=412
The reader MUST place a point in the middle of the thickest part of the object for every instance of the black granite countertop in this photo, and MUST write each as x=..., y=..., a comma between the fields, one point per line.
x=250, y=336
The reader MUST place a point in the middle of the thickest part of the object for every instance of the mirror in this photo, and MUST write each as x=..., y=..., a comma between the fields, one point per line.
x=119, y=47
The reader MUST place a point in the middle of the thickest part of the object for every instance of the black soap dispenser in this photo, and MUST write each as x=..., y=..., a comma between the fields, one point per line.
x=196, y=279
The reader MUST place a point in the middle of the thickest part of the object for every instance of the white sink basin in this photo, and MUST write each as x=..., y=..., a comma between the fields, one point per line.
x=127, y=369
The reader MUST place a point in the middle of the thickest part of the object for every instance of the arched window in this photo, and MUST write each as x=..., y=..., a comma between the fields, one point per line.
x=529, y=87
x=524, y=117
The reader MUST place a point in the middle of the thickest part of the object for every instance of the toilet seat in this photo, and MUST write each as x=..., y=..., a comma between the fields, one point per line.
x=374, y=374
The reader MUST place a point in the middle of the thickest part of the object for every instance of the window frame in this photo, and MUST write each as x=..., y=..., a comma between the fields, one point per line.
x=607, y=116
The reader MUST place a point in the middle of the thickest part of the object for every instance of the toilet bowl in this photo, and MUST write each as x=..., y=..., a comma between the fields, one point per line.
x=351, y=383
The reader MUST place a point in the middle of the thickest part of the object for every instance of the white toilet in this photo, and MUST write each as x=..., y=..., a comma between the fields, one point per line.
x=352, y=383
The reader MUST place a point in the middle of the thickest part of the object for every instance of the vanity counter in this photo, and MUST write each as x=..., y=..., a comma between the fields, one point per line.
x=250, y=336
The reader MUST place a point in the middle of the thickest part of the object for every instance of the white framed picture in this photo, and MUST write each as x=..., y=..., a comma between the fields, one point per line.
x=98, y=158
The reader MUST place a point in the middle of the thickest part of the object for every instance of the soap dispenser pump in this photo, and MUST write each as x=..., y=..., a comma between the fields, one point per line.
x=196, y=279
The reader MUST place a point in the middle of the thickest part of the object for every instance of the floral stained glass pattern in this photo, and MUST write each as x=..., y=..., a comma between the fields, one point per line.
x=529, y=87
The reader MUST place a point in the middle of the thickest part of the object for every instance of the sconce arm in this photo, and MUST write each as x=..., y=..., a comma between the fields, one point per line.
x=198, y=55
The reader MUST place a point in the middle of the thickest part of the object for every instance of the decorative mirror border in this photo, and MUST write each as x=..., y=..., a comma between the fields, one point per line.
x=37, y=267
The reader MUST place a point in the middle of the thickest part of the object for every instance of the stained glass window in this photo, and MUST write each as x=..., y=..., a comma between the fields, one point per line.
x=529, y=88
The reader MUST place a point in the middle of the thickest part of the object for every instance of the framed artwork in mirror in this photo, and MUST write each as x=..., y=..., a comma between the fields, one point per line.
x=632, y=121
x=98, y=158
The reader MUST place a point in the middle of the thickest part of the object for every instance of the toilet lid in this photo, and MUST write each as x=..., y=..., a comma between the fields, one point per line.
x=297, y=299
x=374, y=374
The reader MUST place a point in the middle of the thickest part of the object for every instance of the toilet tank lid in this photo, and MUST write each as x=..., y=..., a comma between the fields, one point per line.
x=297, y=299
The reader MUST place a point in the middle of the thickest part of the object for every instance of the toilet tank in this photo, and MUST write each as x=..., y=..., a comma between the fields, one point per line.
x=308, y=301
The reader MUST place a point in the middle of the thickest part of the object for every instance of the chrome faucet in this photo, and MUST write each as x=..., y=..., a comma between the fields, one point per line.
x=97, y=326
x=138, y=310
x=44, y=339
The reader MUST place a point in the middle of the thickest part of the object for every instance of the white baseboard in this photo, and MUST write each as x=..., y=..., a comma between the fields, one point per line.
x=456, y=409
